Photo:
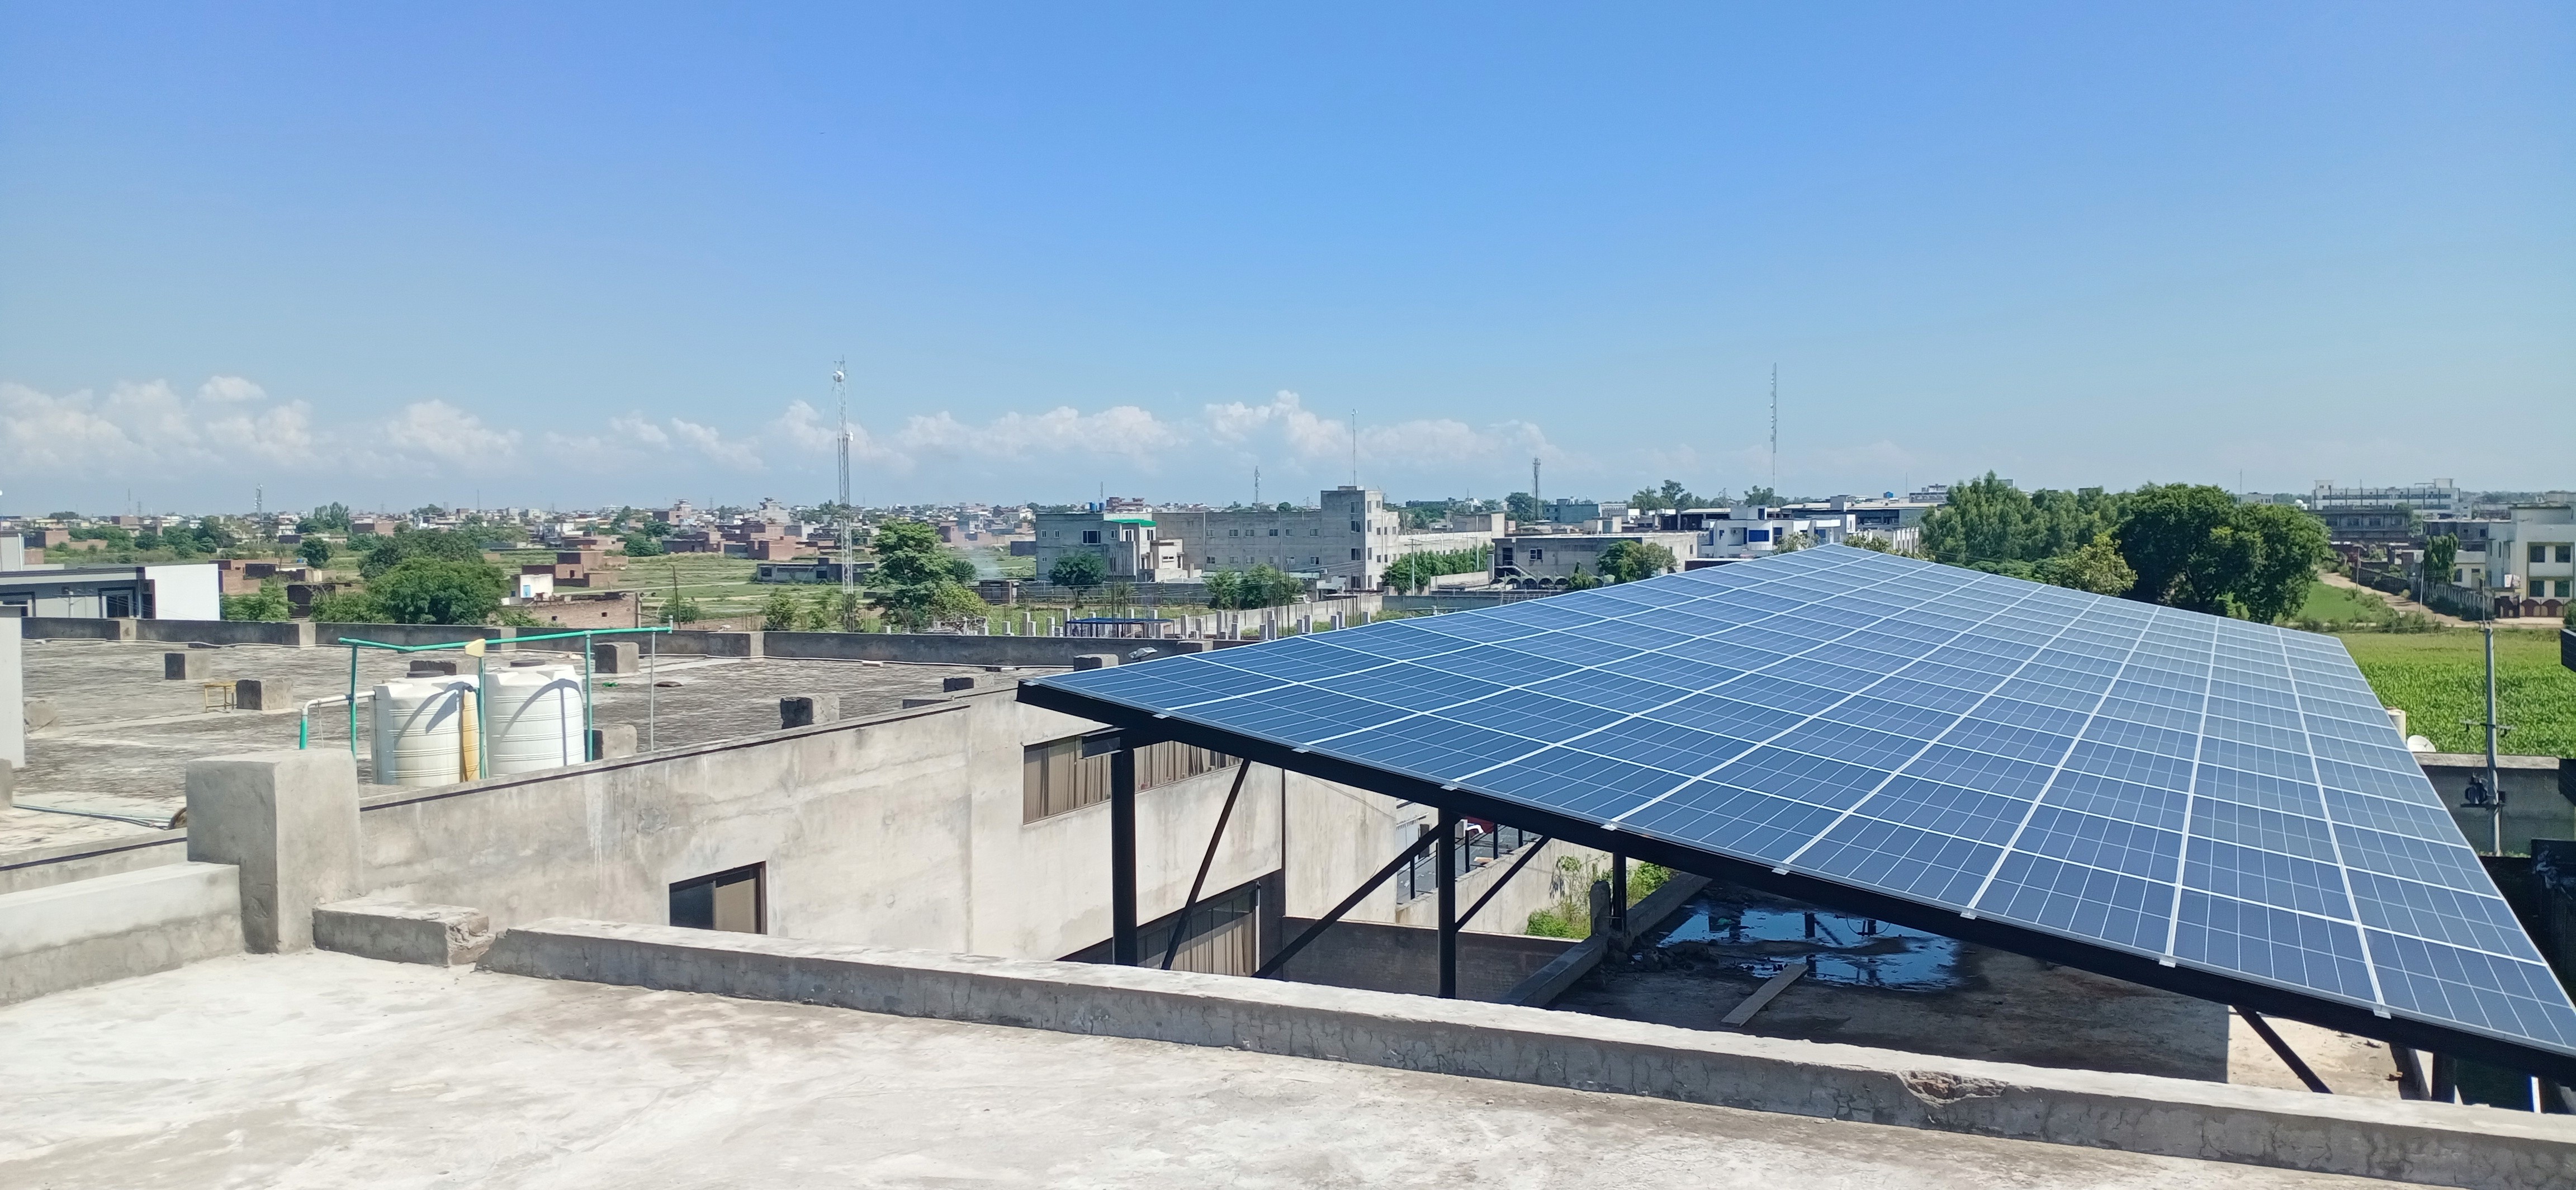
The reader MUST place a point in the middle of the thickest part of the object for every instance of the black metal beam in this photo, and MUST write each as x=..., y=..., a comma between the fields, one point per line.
x=1528, y=852
x=1446, y=867
x=1242, y=769
x=1123, y=947
x=2143, y=969
x=1349, y=903
x=2289, y=1057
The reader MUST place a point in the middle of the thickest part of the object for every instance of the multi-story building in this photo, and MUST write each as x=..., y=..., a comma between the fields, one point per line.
x=2393, y=526
x=1754, y=531
x=2438, y=498
x=2533, y=560
x=1343, y=543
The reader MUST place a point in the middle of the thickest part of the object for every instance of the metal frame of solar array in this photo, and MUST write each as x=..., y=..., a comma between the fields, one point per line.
x=2211, y=806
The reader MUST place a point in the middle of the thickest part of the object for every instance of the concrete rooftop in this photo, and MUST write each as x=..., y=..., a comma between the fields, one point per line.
x=126, y=734
x=326, y=1070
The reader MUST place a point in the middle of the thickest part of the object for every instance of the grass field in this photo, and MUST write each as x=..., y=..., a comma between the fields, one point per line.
x=2439, y=678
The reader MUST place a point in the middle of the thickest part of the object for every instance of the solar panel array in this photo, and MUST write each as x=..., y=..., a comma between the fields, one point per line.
x=2213, y=793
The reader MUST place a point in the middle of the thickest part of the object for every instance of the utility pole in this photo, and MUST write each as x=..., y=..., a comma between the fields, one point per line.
x=1256, y=486
x=849, y=555
x=1355, y=448
x=2495, y=789
x=1534, y=495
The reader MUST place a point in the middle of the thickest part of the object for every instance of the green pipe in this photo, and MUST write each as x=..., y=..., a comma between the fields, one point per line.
x=353, y=702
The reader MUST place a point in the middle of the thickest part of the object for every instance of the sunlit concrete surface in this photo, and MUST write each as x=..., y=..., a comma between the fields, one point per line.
x=326, y=1070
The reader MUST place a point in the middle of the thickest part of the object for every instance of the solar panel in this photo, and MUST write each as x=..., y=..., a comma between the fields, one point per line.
x=2209, y=793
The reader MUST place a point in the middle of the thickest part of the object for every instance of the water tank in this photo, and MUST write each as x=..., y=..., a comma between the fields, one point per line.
x=535, y=719
x=417, y=723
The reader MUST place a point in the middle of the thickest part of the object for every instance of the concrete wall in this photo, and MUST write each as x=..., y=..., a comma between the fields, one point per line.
x=13, y=695
x=42, y=867
x=2539, y=797
x=186, y=591
x=133, y=923
x=76, y=628
x=898, y=830
x=1389, y=958
x=2433, y=1143
x=1338, y=836
x=926, y=648
x=292, y=634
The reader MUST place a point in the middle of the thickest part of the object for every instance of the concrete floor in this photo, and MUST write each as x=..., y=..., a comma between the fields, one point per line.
x=327, y=1070
x=2004, y=1007
x=126, y=734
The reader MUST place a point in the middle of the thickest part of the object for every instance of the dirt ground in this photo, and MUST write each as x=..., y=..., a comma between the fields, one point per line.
x=1953, y=998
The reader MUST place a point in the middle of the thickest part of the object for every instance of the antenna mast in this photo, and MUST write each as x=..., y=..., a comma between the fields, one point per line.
x=1534, y=494
x=1355, y=448
x=1775, y=430
x=849, y=555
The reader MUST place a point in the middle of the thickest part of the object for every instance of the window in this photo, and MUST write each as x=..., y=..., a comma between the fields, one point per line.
x=1211, y=559
x=1091, y=537
x=2540, y=553
x=2563, y=552
x=1056, y=777
x=1274, y=533
x=1537, y=554
x=1234, y=532
x=1355, y=526
x=120, y=604
x=1355, y=556
x=737, y=901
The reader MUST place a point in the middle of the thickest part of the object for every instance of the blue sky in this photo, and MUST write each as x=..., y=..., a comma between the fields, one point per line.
x=607, y=254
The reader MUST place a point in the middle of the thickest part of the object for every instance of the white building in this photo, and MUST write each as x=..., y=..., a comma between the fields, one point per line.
x=1344, y=543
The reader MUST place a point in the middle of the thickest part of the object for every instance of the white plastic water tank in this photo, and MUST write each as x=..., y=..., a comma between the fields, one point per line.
x=415, y=736
x=534, y=719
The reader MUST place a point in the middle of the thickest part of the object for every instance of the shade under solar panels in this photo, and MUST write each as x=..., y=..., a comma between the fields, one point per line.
x=2219, y=796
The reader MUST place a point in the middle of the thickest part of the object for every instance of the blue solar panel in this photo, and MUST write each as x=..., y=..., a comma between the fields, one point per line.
x=2206, y=792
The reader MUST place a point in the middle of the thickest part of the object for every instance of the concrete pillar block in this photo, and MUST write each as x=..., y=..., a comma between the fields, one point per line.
x=185, y=666
x=8, y=785
x=289, y=821
x=433, y=667
x=616, y=657
x=612, y=741
x=264, y=694
x=1095, y=660
x=953, y=685
x=1189, y=646
x=808, y=710
x=403, y=931
x=14, y=723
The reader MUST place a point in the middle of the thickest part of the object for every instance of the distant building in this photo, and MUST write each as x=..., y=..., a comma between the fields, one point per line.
x=175, y=591
x=1551, y=559
x=1344, y=543
x=2438, y=497
x=2372, y=525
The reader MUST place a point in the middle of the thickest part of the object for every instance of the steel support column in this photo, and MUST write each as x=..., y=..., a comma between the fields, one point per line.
x=1123, y=949
x=1446, y=869
x=1619, y=900
x=1349, y=903
x=2289, y=1057
x=1528, y=852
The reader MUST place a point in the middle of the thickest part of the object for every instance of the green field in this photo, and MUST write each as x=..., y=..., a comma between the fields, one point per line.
x=2439, y=679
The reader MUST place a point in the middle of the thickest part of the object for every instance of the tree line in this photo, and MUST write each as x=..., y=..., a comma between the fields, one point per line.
x=2191, y=546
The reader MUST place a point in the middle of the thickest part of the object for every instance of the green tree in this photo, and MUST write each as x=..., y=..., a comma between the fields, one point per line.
x=315, y=551
x=1790, y=543
x=1671, y=495
x=961, y=569
x=115, y=537
x=2096, y=567
x=913, y=581
x=1078, y=571
x=427, y=590
x=1762, y=495
x=1580, y=581
x=330, y=518
x=640, y=544
x=1261, y=586
x=779, y=613
x=2441, y=552
x=1525, y=508
x=2284, y=546
x=348, y=607
x=267, y=603
x=1628, y=561
x=2175, y=538
x=680, y=609
x=385, y=553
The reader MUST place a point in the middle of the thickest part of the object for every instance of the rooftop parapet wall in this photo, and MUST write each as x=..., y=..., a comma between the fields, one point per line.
x=2416, y=1142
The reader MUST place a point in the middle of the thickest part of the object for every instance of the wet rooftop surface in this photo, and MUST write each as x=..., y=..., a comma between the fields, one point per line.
x=1877, y=984
x=125, y=734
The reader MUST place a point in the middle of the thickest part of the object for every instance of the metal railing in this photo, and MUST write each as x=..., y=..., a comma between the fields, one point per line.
x=1477, y=841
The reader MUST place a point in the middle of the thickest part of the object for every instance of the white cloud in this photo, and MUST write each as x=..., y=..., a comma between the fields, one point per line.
x=1294, y=431
x=443, y=433
x=1129, y=433
x=148, y=426
x=230, y=388
x=706, y=440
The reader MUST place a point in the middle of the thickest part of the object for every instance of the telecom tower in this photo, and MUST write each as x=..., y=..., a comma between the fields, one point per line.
x=849, y=557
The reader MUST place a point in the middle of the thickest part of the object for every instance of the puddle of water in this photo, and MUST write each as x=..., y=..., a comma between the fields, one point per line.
x=1838, y=948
